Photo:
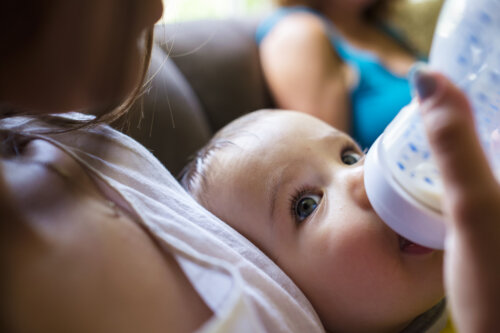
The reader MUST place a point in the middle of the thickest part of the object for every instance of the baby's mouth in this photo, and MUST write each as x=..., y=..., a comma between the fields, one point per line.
x=407, y=246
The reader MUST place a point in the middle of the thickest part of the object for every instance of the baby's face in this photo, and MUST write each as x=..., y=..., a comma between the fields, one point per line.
x=294, y=186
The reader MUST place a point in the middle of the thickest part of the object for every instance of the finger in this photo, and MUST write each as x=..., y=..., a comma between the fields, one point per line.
x=450, y=128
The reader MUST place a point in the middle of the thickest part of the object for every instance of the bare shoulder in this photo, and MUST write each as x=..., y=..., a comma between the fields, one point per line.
x=71, y=262
x=297, y=31
x=297, y=43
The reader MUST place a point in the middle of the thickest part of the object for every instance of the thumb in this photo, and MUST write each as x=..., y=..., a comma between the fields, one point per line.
x=447, y=115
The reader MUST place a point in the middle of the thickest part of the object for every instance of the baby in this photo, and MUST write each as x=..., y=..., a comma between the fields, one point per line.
x=293, y=185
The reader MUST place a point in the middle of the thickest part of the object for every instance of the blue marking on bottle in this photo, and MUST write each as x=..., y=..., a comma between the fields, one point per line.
x=482, y=97
x=462, y=60
x=473, y=39
x=485, y=18
x=401, y=166
x=494, y=77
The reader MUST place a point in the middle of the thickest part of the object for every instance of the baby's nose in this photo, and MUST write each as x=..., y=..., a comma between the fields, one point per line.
x=356, y=186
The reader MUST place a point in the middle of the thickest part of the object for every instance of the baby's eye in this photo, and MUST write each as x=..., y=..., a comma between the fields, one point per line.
x=350, y=157
x=305, y=206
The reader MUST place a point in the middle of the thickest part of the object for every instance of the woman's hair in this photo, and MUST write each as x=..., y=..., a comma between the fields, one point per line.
x=22, y=20
x=114, y=114
x=371, y=12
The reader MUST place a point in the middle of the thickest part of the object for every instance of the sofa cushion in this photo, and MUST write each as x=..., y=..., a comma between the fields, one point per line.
x=168, y=119
x=220, y=60
x=204, y=74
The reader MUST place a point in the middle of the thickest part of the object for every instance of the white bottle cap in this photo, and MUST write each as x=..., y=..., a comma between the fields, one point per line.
x=397, y=207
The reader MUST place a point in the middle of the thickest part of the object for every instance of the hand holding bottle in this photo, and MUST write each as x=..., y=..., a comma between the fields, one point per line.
x=471, y=204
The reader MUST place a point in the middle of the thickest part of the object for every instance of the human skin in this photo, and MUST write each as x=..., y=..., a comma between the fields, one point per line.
x=349, y=264
x=70, y=262
x=304, y=72
x=471, y=206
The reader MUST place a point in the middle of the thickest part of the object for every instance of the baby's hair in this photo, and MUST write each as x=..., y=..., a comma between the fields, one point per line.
x=195, y=177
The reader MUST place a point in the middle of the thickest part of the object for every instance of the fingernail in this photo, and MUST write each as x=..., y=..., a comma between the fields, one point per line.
x=422, y=82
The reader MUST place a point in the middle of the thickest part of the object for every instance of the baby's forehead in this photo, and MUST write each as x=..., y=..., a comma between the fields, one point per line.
x=259, y=149
x=276, y=130
x=278, y=123
x=254, y=150
x=285, y=134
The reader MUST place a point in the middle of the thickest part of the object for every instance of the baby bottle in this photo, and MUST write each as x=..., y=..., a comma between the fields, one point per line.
x=402, y=181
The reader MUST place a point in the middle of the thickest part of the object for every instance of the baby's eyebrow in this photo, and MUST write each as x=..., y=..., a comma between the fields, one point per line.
x=280, y=177
x=335, y=135
x=285, y=174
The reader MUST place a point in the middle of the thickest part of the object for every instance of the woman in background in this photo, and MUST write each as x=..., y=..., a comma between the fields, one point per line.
x=318, y=55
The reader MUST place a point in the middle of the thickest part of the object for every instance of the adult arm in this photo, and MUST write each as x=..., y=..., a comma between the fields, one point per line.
x=304, y=72
x=471, y=204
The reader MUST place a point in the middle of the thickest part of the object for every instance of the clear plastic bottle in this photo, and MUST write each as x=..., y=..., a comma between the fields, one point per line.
x=401, y=178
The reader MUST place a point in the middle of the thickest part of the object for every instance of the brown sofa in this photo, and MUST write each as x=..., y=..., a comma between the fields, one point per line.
x=204, y=74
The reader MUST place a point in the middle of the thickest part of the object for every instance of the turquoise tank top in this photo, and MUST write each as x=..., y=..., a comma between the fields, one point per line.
x=379, y=93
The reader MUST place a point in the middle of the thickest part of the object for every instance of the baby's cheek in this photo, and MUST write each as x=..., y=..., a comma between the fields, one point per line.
x=357, y=257
x=329, y=252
